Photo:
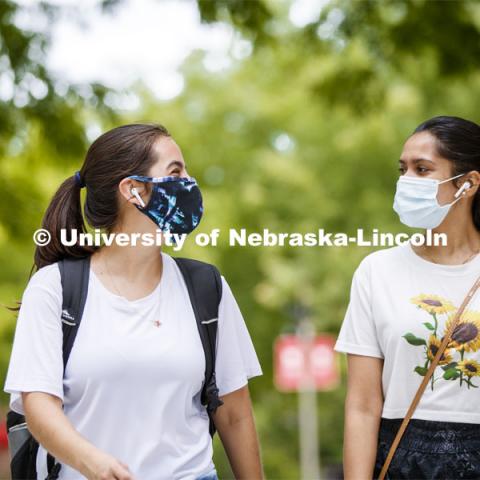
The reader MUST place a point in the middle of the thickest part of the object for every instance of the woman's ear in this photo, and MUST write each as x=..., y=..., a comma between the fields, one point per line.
x=473, y=178
x=133, y=191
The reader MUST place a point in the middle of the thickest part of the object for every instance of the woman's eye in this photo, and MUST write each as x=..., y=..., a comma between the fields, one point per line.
x=422, y=169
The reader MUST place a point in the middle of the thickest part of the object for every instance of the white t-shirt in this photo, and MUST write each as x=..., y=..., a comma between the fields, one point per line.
x=396, y=298
x=130, y=388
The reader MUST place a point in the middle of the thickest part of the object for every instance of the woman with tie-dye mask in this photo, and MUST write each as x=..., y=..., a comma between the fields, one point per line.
x=128, y=405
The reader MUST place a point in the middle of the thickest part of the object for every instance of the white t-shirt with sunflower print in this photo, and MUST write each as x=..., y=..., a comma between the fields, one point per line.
x=400, y=307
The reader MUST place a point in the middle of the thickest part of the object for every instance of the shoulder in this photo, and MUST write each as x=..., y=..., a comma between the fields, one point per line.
x=46, y=276
x=196, y=269
x=381, y=260
x=189, y=262
x=201, y=277
x=43, y=294
x=46, y=279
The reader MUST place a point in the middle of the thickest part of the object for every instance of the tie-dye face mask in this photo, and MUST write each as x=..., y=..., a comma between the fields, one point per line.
x=175, y=203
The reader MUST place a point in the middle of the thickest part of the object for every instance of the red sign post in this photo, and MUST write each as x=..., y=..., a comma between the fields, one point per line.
x=303, y=363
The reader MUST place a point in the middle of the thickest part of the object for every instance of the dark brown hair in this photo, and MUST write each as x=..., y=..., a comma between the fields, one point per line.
x=457, y=140
x=116, y=154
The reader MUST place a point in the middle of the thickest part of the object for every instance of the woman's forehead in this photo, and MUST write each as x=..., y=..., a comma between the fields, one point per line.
x=167, y=152
x=422, y=143
x=421, y=146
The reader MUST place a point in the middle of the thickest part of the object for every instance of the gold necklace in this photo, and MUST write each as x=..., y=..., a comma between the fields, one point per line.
x=110, y=277
x=462, y=263
x=156, y=323
x=471, y=256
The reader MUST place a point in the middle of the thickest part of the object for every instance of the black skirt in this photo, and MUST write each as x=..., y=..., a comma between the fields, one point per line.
x=430, y=450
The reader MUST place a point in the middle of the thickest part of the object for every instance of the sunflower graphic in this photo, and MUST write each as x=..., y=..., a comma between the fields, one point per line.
x=465, y=338
x=432, y=349
x=470, y=368
x=433, y=304
x=466, y=335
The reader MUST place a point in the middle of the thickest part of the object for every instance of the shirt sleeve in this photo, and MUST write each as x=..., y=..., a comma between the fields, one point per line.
x=36, y=361
x=358, y=334
x=236, y=359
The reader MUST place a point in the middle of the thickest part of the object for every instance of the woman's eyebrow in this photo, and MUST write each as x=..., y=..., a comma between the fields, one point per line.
x=176, y=163
x=418, y=160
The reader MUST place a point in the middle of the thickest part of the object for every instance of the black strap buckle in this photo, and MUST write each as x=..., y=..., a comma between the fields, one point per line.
x=54, y=472
x=211, y=398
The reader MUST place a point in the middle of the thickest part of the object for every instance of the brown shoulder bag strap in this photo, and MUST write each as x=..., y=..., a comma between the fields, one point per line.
x=426, y=379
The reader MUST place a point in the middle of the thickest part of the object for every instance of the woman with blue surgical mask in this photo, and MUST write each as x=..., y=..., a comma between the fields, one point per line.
x=403, y=301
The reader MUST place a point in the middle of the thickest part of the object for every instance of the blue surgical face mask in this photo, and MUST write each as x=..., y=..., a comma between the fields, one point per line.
x=416, y=201
x=175, y=203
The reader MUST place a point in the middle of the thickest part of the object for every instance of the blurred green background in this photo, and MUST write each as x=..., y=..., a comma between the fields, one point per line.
x=302, y=131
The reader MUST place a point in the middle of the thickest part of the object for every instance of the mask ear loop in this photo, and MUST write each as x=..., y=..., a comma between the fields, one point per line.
x=461, y=190
x=452, y=178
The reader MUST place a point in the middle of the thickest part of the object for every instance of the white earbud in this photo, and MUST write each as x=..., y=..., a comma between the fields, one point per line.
x=135, y=193
x=462, y=189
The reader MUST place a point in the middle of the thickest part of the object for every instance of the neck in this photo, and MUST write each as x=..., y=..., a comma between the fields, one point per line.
x=132, y=262
x=463, y=241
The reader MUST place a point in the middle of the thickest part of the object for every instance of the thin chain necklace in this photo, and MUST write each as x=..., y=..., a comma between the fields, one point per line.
x=462, y=263
x=156, y=322
x=111, y=277
x=471, y=256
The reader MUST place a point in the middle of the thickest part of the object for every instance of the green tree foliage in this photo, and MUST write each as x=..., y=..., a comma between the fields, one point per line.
x=37, y=97
x=305, y=133
x=42, y=123
x=251, y=17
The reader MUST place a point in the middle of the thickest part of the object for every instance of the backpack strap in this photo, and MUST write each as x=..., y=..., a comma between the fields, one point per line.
x=74, y=275
x=204, y=285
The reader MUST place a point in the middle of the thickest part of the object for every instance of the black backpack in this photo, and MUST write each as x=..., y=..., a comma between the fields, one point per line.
x=204, y=286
